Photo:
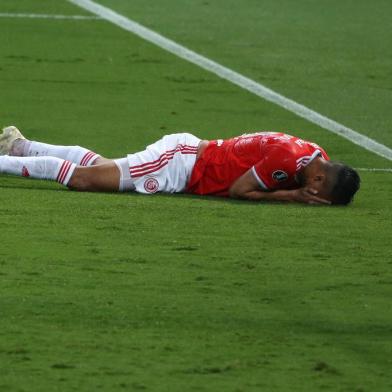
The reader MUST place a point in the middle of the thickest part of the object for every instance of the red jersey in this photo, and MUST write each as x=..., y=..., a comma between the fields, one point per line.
x=274, y=158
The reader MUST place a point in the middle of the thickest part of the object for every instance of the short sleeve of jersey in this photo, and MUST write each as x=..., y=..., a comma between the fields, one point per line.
x=276, y=169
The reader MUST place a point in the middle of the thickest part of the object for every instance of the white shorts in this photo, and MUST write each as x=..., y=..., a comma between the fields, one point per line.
x=165, y=166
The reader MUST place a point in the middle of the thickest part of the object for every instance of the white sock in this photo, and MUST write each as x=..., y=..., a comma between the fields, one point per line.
x=46, y=168
x=79, y=155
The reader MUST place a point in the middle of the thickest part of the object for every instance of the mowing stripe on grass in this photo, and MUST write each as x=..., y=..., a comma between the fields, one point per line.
x=49, y=16
x=234, y=77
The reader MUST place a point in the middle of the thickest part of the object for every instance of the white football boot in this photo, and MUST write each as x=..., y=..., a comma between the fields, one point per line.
x=7, y=138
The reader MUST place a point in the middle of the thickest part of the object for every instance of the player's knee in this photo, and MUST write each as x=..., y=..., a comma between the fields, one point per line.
x=82, y=180
x=100, y=161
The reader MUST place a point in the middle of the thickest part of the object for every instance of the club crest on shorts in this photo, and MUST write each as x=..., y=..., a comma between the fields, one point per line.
x=25, y=172
x=280, y=175
x=151, y=185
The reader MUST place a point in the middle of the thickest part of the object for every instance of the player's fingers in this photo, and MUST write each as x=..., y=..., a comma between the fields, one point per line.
x=310, y=195
x=318, y=200
x=312, y=191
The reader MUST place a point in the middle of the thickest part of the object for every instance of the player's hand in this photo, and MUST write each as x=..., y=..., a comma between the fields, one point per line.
x=309, y=196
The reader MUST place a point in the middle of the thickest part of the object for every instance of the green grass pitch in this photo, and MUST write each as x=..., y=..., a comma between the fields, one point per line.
x=179, y=293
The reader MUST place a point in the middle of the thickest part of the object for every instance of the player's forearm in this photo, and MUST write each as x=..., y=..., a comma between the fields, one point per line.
x=281, y=195
x=247, y=187
x=256, y=195
x=301, y=195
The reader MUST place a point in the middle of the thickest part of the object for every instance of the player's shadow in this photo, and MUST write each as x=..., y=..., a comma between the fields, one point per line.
x=11, y=182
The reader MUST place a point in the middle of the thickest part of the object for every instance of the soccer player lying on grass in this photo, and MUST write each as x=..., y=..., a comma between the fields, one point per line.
x=260, y=166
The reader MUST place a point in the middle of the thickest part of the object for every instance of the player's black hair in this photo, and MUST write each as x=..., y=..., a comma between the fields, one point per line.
x=346, y=185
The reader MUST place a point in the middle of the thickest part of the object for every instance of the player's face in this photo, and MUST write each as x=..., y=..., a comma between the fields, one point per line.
x=317, y=182
x=324, y=193
x=323, y=189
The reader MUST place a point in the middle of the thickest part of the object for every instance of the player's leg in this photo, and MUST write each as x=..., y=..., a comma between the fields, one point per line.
x=13, y=143
x=111, y=176
x=45, y=168
x=97, y=178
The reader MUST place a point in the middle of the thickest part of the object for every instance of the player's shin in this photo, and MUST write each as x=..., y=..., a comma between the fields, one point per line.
x=76, y=154
x=46, y=168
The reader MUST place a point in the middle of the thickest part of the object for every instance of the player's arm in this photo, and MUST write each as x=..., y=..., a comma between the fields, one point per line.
x=247, y=187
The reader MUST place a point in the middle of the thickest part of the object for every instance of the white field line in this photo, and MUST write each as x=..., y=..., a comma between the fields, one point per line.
x=234, y=77
x=48, y=16
x=373, y=169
